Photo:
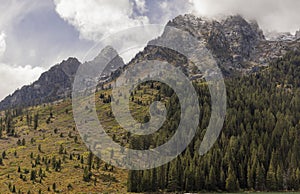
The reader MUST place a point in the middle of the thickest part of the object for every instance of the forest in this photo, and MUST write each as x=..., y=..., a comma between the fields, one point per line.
x=259, y=146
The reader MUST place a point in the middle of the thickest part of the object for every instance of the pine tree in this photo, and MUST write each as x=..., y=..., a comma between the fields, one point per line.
x=33, y=175
x=260, y=177
x=36, y=121
x=211, y=179
x=132, y=184
x=61, y=149
x=279, y=178
x=87, y=175
x=271, y=181
x=232, y=183
x=90, y=160
x=54, y=187
x=23, y=142
x=13, y=189
x=173, y=183
x=250, y=175
x=40, y=148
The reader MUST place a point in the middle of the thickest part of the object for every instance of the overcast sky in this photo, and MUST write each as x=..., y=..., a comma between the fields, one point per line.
x=36, y=34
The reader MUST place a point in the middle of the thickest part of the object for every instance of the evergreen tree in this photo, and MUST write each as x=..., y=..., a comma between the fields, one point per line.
x=232, y=183
x=271, y=178
x=36, y=121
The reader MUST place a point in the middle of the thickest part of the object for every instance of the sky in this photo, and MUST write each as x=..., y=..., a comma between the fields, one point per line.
x=37, y=34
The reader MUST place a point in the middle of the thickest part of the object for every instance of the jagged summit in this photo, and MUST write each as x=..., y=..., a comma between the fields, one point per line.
x=233, y=33
x=69, y=66
x=107, y=52
x=237, y=44
x=107, y=58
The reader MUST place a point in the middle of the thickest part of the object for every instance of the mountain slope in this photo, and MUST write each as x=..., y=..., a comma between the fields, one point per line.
x=52, y=85
x=57, y=83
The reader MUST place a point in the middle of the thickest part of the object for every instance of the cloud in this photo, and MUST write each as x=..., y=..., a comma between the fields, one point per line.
x=172, y=8
x=2, y=44
x=13, y=77
x=272, y=15
x=141, y=6
x=98, y=20
x=95, y=19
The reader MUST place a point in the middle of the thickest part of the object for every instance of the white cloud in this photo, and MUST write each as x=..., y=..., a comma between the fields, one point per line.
x=95, y=19
x=98, y=20
x=272, y=15
x=13, y=77
x=170, y=9
x=2, y=43
x=141, y=6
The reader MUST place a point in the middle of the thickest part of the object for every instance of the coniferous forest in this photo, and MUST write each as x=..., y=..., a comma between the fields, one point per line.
x=258, y=148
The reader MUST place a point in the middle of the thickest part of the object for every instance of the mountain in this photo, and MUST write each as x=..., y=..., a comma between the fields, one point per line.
x=52, y=85
x=238, y=46
x=103, y=58
x=257, y=150
x=258, y=146
x=57, y=83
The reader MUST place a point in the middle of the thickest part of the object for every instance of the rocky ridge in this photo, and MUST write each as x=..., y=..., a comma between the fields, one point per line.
x=238, y=46
x=56, y=83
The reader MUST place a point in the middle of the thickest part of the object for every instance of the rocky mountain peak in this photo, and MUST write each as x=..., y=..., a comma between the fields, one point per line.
x=189, y=20
x=106, y=52
x=68, y=66
x=109, y=57
x=242, y=27
x=232, y=40
x=243, y=36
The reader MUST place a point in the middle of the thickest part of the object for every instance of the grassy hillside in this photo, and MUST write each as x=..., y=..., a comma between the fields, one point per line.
x=43, y=152
x=55, y=152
